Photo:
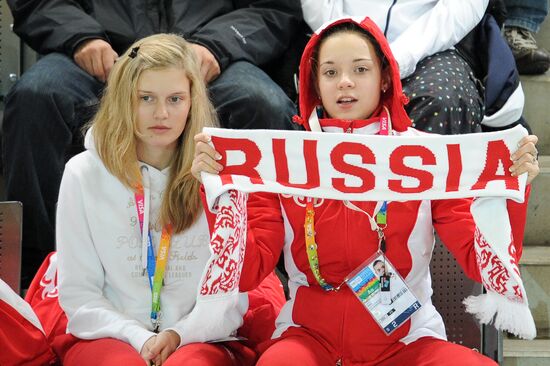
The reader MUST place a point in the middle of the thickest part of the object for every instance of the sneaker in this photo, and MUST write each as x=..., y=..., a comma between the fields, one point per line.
x=530, y=59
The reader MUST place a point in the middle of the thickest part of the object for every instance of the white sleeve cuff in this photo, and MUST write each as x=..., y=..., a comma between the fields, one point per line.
x=509, y=113
x=214, y=317
x=137, y=337
x=406, y=62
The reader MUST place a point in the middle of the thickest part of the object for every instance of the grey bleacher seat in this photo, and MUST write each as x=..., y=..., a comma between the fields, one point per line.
x=451, y=286
x=11, y=215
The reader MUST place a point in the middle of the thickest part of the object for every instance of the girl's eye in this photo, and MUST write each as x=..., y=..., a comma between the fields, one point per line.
x=174, y=99
x=361, y=69
x=330, y=72
x=146, y=98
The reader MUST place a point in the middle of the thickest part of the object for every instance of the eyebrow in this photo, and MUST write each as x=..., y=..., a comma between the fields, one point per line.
x=354, y=61
x=151, y=92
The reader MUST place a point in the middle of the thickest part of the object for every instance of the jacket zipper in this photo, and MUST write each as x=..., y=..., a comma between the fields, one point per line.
x=339, y=362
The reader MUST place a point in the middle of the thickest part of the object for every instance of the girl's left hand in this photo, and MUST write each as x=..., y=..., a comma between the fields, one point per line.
x=525, y=158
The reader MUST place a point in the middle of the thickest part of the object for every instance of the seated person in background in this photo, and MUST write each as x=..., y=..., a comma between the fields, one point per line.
x=133, y=239
x=445, y=95
x=80, y=41
x=523, y=20
x=350, y=82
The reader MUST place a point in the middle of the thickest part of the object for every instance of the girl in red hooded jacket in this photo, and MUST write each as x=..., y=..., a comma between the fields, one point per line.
x=349, y=81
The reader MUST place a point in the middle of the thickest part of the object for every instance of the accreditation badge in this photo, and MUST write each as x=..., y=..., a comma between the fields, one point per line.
x=383, y=292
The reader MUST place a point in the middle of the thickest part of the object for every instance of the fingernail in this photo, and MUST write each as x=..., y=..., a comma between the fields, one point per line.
x=218, y=156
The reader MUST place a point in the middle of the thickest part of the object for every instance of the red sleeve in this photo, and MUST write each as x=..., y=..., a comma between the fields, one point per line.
x=22, y=342
x=455, y=226
x=265, y=239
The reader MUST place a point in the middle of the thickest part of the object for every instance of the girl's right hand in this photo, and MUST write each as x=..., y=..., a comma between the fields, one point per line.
x=146, y=353
x=205, y=157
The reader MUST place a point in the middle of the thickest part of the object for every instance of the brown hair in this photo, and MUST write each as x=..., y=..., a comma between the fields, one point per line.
x=347, y=27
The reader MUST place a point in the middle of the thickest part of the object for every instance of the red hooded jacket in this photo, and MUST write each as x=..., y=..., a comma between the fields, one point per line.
x=336, y=319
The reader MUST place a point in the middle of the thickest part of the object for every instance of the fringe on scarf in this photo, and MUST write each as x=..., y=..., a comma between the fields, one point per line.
x=502, y=313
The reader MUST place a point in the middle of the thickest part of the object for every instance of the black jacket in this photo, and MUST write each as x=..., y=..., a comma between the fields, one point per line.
x=257, y=31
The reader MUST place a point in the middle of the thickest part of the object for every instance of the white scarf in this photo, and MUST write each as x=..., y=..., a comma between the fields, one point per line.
x=375, y=168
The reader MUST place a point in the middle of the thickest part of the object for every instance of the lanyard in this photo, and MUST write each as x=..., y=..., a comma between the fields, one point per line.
x=155, y=267
x=378, y=225
x=311, y=246
x=385, y=122
x=148, y=260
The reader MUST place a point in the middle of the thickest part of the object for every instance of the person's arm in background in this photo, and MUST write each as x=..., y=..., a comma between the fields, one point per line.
x=437, y=30
x=257, y=32
x=318, y=12
x=63, y=26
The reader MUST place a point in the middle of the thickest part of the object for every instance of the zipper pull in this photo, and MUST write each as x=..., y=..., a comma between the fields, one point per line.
x=349, y=129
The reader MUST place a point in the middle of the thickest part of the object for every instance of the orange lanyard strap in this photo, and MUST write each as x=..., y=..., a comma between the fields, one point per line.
x=311, y=247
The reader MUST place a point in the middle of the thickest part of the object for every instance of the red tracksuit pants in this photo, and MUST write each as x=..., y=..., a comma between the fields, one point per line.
x=111, y=352
x=302, y=349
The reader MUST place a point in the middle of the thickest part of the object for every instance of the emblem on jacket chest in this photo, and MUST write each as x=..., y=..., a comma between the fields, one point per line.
x=302, y=200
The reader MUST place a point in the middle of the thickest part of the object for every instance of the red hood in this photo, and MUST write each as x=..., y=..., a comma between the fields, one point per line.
x=393, y=99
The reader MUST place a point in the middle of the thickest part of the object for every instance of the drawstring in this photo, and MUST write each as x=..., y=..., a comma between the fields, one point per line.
x=388, y=17
x=314, y=124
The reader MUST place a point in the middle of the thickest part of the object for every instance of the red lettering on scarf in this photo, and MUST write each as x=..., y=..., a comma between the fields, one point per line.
x=366, y=176
x=497, y=155
x=455, y=168
x=397, y=165
x=281, y=164
x=248, y=168
x=517, y=291
x=498, y=276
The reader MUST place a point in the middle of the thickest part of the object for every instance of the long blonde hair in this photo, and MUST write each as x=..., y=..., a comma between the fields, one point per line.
x=115, y=126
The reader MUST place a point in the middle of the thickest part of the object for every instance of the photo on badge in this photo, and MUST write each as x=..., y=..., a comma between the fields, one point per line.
x=383, y=292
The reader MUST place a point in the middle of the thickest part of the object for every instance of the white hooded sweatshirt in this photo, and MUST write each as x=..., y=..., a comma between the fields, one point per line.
x=102, y=286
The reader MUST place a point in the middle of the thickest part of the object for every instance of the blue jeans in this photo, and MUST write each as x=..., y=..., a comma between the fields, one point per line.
x=528, y=14
x=246, y=97
x=47, y=107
